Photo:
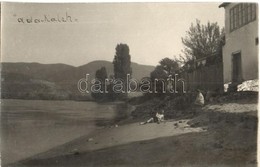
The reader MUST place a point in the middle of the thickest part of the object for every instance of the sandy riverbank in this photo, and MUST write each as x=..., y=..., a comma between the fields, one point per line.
x=120, y=135
x=210, y=139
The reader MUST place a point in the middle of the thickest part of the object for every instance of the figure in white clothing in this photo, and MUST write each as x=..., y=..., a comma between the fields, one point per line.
x=199, y=98
x=158, y=117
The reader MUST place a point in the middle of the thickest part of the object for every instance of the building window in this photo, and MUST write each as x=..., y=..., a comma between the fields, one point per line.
x=241, y=15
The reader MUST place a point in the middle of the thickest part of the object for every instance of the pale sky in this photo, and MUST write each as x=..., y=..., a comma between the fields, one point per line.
x=151, y=30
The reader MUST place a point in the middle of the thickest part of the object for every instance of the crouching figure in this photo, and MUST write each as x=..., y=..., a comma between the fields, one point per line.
x=158, y=117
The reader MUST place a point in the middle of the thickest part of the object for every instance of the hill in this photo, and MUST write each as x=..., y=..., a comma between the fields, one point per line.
x=35, y=70
x=54, y=81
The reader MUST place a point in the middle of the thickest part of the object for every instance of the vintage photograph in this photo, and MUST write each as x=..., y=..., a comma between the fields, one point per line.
x=127, y=84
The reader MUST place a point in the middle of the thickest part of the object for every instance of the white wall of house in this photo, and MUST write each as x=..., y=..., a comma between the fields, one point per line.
x=241, y=40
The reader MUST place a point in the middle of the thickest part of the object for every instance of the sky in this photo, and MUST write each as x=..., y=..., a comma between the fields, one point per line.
x=151, y=30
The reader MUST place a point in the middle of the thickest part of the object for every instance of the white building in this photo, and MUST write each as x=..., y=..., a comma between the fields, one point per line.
x=240, y=52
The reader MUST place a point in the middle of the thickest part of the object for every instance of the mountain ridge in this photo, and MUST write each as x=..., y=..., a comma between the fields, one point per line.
x=54, y=81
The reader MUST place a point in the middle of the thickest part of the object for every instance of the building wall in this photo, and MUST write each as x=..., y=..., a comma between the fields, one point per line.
x=242, y=39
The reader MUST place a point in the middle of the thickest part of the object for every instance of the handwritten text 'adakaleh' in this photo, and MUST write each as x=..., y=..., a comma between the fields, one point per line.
x=66, y=18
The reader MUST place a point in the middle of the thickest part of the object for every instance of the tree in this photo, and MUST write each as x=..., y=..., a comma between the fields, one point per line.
x=101, y=73
x=101, y=76
x=159, y=77
x=202, y=40
x=169, y=65
x=122, y=63
x=158, y=73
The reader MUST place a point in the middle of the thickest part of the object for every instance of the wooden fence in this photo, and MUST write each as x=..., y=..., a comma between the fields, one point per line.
x=205, y=78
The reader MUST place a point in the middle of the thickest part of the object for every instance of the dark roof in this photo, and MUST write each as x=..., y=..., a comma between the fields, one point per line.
x=224, y=4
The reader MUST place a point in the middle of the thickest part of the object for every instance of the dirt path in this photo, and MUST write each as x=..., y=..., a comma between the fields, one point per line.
x=232, y=107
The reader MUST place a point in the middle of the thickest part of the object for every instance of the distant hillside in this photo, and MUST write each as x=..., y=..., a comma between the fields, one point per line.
x=139, y=71
x=35, y=70
x=53, y=81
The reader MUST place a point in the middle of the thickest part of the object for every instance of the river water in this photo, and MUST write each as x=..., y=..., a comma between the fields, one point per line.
x=29, y=127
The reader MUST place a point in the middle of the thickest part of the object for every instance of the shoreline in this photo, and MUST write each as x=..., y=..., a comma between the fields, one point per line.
x=47, y=124
x=107, y=137
x=201, y=140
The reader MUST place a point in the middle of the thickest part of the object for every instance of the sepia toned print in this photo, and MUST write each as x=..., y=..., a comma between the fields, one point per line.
x=129, y=84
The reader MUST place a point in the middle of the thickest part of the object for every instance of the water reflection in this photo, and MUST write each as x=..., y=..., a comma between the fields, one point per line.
x=121, y=110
